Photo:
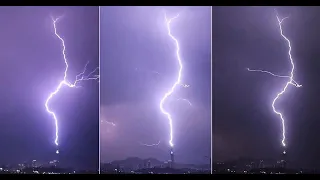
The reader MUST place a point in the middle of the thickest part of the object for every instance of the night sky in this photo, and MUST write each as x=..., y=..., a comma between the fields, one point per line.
x=244, y=123
x=31, y=67
x=138, y=66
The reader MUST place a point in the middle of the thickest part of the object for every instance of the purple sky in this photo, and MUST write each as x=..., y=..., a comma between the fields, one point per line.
x=134, y=45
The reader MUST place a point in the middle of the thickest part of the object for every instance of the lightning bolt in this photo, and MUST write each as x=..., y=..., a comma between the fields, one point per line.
x=290, y=81
x=178, y=81
x=186, y=100
x=185, y=85
x=80, y=77
x=150, y=145
x=110, y=123
x=275, y=75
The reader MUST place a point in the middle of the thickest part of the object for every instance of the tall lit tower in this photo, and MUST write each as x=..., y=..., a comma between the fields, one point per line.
x=172, y=157
x=57, y=159
x=284, y=159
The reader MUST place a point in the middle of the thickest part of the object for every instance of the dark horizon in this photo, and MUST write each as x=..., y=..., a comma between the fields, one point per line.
x=204, y=163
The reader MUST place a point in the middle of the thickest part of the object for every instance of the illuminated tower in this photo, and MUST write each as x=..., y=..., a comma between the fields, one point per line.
x=34, y=163
x=57, y=159
x=172, y=158
x=284, y=159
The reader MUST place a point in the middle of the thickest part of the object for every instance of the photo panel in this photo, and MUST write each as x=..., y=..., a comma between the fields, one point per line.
x=50, y=89
x=265, y=109
x=155, y=90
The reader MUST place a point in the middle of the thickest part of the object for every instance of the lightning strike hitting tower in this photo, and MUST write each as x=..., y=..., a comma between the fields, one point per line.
x=175, y=85
x=64, y=82
x=290, y=81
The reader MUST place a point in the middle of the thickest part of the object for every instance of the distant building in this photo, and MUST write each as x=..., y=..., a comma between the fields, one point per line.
x=252, y=165
x=149, y=164
x=34, y=163
x=118, y=169
x=54, y=163
x=164, y=165
x=278, y=165
x=284, y=159
x=167, y=164
x=21, y=166
x=26, y=164
x=261, y=164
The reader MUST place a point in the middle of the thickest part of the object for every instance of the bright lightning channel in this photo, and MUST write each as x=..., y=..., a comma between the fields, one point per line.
x=290, y=82
x=65, y=82
x=178, y=80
